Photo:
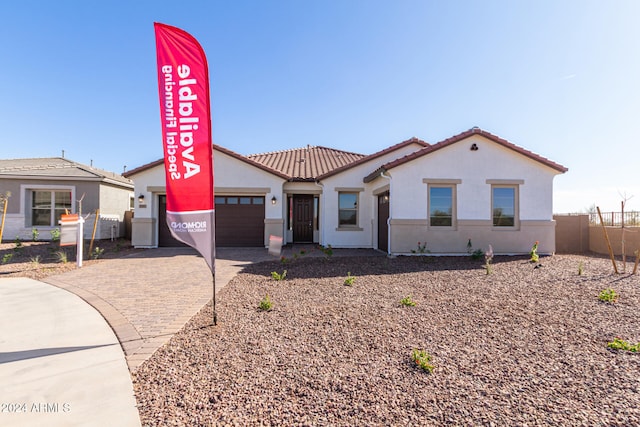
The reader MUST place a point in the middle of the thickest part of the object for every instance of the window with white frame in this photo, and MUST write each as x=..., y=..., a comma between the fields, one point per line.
x=47, y=206
x=347, y=209
x=504, y=200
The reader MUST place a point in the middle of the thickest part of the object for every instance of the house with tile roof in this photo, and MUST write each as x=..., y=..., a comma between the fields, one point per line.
x=42, y=189
x=473, y=187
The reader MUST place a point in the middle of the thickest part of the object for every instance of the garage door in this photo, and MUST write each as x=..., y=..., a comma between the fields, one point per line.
x=239, y=221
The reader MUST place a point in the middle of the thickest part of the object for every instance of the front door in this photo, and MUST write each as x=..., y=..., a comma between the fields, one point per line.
x=383, y=216
x=303, y=218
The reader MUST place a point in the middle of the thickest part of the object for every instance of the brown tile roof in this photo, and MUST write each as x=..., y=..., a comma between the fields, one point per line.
x=375, y=155
x=460, y=137
x=301, y=164
x=217, y=148
x=57, y=167
x=307, y=163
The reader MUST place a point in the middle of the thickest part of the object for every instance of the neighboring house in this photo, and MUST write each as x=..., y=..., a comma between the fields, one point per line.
x=474, y=186
x=42, y=189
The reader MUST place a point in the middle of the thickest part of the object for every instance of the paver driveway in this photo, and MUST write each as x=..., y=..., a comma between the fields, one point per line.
x=149, y=296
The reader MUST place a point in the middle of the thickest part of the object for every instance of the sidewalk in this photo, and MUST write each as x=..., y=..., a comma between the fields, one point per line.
x=60, y=362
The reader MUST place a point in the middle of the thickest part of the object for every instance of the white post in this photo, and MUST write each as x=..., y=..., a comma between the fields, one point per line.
x=80, y=241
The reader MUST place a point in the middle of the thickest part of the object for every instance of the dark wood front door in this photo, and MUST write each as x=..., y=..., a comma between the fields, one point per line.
x=383, y=217
x=302, y=218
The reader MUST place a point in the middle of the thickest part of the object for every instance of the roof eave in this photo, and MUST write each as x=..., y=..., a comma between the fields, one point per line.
x=476, y=131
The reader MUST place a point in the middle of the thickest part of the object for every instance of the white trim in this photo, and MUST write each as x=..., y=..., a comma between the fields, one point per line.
x=25, y=187
x=349, y=189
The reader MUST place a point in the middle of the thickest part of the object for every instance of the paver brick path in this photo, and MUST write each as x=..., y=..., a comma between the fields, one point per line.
x=149, y=296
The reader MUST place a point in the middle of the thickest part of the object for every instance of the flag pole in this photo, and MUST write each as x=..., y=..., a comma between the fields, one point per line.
x=213, y=257
x=215, y=315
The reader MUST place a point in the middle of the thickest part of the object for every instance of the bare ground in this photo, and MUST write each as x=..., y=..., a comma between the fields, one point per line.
x=520, y=346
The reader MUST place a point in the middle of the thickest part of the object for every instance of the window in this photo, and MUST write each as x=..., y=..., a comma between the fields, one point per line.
x=504, y=206
x=347, y=209
x=224, y=200
x=441, y=206
x=48, y=206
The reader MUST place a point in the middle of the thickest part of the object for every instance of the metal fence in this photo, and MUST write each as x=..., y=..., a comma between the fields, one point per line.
x=615, y=219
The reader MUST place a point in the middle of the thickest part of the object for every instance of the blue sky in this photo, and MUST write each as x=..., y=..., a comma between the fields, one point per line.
x=560, y=78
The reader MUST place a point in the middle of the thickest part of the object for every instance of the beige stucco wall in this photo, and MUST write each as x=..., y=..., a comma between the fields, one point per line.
x=405, y=235
x=572, y=233
x=598, y=244
x=143, y=232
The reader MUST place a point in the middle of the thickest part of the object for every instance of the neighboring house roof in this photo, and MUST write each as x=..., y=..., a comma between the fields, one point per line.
x=58, y=168
x=307, y=163
x=217, y=148
x=449, y=141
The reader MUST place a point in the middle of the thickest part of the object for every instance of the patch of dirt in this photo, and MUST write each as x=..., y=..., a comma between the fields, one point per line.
x=40, y=259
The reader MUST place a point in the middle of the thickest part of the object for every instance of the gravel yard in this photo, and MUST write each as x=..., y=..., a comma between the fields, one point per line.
x=520, y=346
x=41, y=259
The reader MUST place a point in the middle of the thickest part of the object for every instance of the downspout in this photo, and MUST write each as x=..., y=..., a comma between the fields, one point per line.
x=320, y=208
x=382, y=175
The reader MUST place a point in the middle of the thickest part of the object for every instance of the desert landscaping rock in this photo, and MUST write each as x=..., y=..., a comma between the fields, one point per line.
x=521, y=346
x=40, y=259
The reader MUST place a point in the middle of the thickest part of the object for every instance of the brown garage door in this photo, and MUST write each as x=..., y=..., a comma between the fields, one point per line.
x=239, y=221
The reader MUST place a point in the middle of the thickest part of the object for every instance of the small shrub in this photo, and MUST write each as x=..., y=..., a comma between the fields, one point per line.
x=265, y=303
x=423, y=360
x=277, y=276
x=580, y=268
x=422, y=249
x=620, y=344
x=327, y=250
x=350, y=279
x=55, y=234
x=97, y=253
x=408, y=302
x=608, y=295
x=61, y=256
x=488, y=257
x=477, y=254
x=35, y=234
x=469, y=247
x=6, y=258
x=18, y=244
x=284, y=260
x=534, y=252
x=35, y=261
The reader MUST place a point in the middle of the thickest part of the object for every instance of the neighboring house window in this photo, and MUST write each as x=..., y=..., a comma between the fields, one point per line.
x=441, y=206
x=48, y=206
x=504, y=206
x=348, y=209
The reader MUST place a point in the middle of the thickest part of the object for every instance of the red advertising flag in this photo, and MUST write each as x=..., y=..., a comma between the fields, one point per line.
x=183, y=83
